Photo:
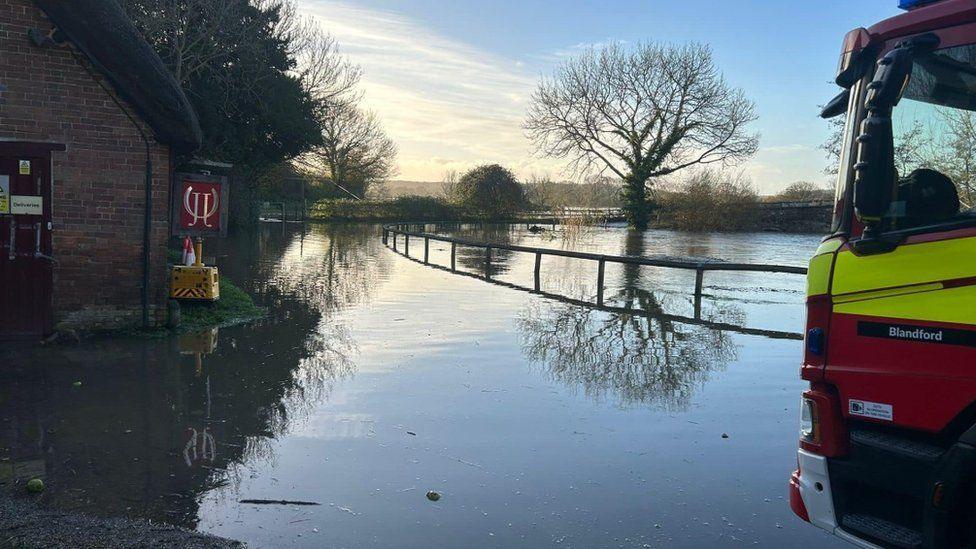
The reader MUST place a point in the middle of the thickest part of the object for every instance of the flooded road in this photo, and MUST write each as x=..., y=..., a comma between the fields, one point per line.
x=375, y=379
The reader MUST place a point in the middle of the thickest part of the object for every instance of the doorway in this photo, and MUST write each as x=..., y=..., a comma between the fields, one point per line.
x=26, y=253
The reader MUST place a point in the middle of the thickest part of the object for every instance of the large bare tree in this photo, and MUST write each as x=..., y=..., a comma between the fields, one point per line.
x=329, y=77
x=641, y=113
x=356, y=153
x=205, y=36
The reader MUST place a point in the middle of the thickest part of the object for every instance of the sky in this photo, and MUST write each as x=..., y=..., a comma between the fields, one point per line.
x=451, y=79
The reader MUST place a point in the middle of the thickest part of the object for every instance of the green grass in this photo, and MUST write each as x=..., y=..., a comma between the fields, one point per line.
x=234, y=306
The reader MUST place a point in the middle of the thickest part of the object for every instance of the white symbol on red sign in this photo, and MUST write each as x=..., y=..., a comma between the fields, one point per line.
x=200, y=447
x=200, y=212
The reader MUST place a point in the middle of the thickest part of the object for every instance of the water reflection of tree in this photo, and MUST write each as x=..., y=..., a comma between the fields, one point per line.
x=641, y=358
x=332, y=267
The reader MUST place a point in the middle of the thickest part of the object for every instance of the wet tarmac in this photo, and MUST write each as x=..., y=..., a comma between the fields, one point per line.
x=375, y=379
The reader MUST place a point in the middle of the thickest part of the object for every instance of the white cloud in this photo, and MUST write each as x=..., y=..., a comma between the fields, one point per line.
x=448, y=105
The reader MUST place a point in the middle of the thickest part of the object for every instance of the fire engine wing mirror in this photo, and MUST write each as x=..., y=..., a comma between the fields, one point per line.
x=875, y=168
x=836, y=106
x=891, y=78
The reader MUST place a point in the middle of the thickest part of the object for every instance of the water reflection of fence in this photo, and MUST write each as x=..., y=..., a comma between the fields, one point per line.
x=602, y=214
x=700, y=267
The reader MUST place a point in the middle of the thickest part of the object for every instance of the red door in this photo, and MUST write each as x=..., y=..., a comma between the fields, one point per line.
x=26, y=254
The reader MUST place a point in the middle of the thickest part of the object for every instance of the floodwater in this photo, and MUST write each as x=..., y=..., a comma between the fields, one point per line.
x=374, y=379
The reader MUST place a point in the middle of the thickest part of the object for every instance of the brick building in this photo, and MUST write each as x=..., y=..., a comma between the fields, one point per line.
x=84, y=103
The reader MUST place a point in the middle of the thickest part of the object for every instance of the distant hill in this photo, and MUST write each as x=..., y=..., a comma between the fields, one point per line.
x=401, y=187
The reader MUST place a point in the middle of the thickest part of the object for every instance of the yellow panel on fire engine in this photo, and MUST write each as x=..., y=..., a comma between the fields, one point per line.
x=955, y=305
x=202, y=283
x=907, y=265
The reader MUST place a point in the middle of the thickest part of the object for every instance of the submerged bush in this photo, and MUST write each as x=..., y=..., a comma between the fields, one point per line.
x=710, y=200
x=491, y=192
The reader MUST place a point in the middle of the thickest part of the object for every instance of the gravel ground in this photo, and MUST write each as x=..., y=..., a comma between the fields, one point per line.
x=24, y=524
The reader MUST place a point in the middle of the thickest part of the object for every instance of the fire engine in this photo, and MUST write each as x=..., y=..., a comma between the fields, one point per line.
x=887, y=453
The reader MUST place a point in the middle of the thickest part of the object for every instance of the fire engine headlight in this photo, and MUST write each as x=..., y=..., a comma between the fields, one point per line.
x=809, y=421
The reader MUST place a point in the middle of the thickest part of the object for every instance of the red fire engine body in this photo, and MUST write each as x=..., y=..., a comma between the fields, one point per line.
x=887, y=453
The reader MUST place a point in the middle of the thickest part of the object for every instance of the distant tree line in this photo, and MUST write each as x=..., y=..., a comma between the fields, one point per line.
x=802, y=191
x=593, y=192
x=274, y=95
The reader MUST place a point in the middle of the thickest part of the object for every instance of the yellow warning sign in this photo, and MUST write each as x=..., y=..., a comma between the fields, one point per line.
x=25, y=167
x=4, y=194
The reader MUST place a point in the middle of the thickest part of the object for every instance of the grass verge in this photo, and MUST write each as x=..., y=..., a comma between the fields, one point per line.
x=234, y=306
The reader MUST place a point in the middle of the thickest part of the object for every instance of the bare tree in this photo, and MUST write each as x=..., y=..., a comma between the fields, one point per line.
x=356, y=152
x=194, y=36
x=449, y=186
x=543, y=192
x=326, y=75
x=206, y=36
x=833, y=143
x=959, y=153
x=641, y=113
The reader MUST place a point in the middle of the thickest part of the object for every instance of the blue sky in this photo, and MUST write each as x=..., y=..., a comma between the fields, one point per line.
x=451, y=78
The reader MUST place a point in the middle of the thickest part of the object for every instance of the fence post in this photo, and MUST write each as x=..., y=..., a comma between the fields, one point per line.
x=386, y=236
x=699, y=282
x=538, y=269
x=599, y=282
x=406, y=245
x=395, y=235
x=487, y=261
x=453, y=255
x=699, y=276
x=426, y=251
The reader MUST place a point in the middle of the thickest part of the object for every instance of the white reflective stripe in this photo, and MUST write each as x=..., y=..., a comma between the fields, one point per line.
x=820, y=503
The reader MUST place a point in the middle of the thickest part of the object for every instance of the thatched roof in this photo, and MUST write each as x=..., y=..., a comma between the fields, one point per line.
x=104, y=33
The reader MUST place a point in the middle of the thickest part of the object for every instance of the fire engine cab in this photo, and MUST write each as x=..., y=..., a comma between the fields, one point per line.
x=887, y=453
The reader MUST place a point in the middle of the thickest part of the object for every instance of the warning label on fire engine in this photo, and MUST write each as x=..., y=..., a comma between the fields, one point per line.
x=873, y=410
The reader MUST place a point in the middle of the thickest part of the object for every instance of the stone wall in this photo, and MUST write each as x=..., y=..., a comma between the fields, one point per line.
x=795, y=218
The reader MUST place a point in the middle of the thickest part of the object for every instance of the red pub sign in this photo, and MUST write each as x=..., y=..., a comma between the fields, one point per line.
x=200, y=205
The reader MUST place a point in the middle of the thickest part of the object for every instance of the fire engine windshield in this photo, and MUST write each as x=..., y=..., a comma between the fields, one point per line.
x=935, y=140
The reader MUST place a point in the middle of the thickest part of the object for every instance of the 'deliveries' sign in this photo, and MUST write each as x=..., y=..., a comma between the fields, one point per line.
x=26, y=205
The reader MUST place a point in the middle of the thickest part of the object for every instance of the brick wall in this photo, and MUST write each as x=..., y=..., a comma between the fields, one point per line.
x=46, y=94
